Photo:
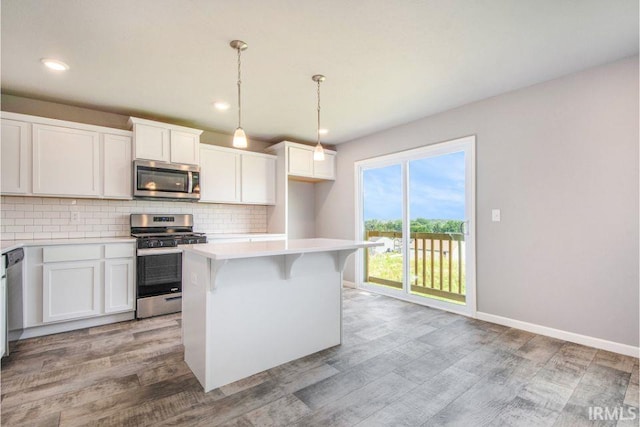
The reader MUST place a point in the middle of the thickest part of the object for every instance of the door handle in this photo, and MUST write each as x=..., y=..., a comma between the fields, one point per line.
x=464, y=227
x=172, y=298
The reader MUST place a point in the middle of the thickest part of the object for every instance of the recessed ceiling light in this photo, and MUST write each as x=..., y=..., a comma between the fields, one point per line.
x=54, y=64
x=221, y=105
x=323, y=131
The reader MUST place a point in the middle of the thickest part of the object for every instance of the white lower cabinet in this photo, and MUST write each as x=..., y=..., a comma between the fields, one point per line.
x=73, y=282
x=71, y=290
x=119, y=289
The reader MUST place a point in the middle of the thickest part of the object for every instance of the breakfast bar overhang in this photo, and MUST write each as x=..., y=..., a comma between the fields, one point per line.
x=248, y=307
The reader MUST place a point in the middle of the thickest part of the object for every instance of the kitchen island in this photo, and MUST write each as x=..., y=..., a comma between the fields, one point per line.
x=248, y=307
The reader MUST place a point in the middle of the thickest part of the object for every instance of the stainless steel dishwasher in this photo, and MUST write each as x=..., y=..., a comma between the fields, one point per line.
x=14, y=319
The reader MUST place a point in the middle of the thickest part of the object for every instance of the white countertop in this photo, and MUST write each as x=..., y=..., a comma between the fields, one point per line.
x=9, y=245
x=213, y=235
x=224, y=251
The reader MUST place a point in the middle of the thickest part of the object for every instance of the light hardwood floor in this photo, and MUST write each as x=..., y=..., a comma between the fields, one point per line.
x=401, y=364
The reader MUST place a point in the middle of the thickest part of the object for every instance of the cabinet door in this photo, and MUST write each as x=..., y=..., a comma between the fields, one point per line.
x=185, y=148
x=219, y=176
x=151, y=142
x=66, y=161
x=300, y=162
x=258, y=179
x=15, y=160
x=71, y=290
x=325, y=169
x=117, y=166
x=119, y=289
x=3, y=312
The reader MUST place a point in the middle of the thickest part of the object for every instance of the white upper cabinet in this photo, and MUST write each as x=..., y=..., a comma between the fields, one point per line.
x=300, y=164
x=117, y=166
x=66, y=161
x=49, y=157
x=228, y=175
x=219, y=174
x=326, y=168
x=151, y=142
x=300, y=161
x=15, y=151
x=258, y=179
x=165, y=142
x=185, y=147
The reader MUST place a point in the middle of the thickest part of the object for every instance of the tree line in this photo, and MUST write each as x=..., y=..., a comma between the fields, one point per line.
x=418, y=225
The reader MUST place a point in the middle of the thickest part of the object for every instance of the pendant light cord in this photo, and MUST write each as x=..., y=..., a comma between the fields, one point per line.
x=318, y=136
x=239, y=93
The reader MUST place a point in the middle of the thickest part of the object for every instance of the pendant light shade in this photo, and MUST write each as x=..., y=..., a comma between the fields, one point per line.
x=318, y=152
x=239, y=137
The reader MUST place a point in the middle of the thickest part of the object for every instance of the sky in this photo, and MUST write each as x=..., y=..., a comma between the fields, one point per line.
x=436, y=189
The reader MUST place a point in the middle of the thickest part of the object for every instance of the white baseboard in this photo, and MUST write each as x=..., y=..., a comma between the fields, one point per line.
x=56, y=328
x=627, y=350
x=348, y=284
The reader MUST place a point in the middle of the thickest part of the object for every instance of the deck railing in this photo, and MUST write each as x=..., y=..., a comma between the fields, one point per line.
x=436, y=260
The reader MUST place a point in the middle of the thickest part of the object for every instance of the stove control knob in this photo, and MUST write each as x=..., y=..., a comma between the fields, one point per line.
x=151, y=244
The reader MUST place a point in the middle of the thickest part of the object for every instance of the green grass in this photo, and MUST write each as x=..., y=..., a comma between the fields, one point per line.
x=388, y=265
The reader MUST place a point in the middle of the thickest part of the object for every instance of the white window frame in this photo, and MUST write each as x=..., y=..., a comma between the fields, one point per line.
x=467, y=144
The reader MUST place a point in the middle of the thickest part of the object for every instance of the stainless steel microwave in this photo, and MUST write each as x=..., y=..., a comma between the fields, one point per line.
x=159, y=180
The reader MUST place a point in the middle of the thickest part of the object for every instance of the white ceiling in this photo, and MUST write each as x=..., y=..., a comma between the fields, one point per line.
x=387, y=62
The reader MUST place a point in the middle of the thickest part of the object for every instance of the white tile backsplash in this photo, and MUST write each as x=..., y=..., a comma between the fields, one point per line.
x=28, y=218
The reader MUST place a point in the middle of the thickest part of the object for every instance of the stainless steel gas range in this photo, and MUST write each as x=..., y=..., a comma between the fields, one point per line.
x=159, y=260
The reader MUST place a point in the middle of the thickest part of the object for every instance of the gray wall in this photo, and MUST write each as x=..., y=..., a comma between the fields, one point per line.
x=54, y=110
x=301, y=210
x=560, y=159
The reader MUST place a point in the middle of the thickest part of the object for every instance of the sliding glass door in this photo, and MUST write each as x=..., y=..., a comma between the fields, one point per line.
x=419, y=205
x=383, y=210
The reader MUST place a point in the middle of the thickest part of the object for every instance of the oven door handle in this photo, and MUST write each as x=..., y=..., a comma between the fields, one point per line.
x=158, y=251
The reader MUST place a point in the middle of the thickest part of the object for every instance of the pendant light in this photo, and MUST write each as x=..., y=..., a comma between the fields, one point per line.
x=239, y=137
x=318, y=152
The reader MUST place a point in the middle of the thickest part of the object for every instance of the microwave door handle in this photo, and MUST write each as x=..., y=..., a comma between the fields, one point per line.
x=190, y=182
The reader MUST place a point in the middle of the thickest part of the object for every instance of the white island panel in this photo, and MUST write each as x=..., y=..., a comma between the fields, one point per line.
x=244, y=315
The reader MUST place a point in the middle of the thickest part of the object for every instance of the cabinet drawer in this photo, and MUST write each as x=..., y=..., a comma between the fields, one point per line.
x=71, y=253
x=120, y=250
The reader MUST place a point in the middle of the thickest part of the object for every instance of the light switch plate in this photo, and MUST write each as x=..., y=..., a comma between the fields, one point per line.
x=495, y=215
